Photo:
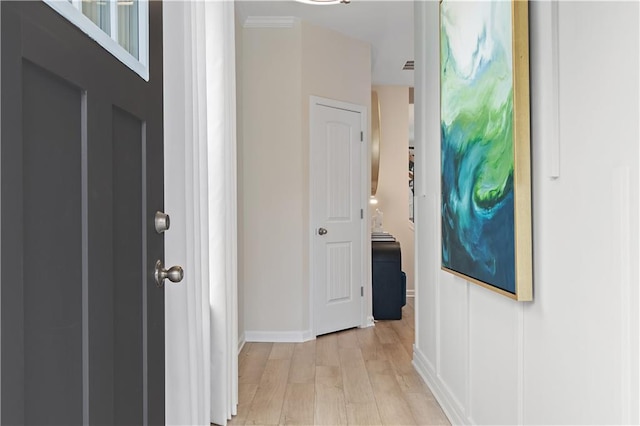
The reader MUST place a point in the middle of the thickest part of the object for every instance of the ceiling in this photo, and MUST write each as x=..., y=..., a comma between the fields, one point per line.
x=386, y=25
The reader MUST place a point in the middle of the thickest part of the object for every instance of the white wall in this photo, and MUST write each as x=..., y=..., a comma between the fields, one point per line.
x=273, y=180
x=571, y=355
x=393, y=181
x=282, y=67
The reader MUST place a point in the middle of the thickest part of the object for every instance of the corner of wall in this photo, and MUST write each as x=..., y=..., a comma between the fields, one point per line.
x=240, y=177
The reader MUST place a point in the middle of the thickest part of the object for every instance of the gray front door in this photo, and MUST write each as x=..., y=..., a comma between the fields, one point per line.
x=82, y=320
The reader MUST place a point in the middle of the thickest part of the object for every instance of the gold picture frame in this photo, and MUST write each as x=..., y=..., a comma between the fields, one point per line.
x=484, y=107
x=375, y=142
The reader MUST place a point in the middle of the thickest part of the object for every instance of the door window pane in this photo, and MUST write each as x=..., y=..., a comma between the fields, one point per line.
x=98, y=12
x=128, y=25
x=120, y=26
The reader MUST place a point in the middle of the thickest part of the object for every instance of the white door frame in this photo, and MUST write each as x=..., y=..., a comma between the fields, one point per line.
x=200, y=160
x=366, y=317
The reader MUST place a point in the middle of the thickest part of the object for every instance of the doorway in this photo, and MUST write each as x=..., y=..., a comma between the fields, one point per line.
x=337, y=154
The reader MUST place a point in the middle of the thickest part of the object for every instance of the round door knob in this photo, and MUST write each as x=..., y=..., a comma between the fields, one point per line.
x=175, y=274
x=322, y=231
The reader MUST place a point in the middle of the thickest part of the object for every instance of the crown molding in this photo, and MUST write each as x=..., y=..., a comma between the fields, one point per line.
x=269, y=22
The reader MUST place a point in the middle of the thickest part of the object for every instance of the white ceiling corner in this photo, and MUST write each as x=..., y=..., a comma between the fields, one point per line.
x=269, y=22
x=387, y=25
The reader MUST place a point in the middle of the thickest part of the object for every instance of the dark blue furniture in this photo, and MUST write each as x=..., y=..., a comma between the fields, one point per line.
x=388, y=280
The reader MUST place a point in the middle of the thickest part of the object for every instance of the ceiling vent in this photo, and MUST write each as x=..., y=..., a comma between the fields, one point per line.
x=408, y=66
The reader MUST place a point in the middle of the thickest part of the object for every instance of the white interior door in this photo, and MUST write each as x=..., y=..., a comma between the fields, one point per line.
x=336, y=215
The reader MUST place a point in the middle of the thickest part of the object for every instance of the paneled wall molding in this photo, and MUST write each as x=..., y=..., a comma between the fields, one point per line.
x=269, y=22
x=469, y=349
x=545, y=48
x=520, y=361
x=449, y=403
x=620, y=186
x=494, y=361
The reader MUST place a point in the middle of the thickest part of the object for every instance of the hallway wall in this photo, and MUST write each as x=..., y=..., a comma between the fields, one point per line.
x=272, y=183
x=571, y=355
x=281, y=68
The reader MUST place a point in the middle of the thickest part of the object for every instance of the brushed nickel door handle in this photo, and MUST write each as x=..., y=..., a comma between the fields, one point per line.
x=175, y=274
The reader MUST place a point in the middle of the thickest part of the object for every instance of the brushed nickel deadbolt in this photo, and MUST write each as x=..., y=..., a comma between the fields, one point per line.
x=161, y=222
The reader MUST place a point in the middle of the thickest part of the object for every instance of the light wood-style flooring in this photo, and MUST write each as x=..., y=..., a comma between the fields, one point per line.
x=355, y=377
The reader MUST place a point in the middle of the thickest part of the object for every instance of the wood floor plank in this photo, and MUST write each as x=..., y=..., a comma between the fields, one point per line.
x=411, y=382
x=282, y=351
x=385, y=333
x=348, y=339
x=364, y=413
x=357, y=388
x=408, y=313
x=370, y=345
x=399, y=358
x=266, y=408
x=299, y=404
x=392, y=407
x=330, y=376
x=303, y=363
x=401, y=329
x=246, y=393
x=327, y=350
x=330, y=407
x=367, y=336
x=408, y=347
x=426, y=410
x=406, y=375
x=251, y=366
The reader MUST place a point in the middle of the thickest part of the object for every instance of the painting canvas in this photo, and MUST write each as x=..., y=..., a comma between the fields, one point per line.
x=485, y=149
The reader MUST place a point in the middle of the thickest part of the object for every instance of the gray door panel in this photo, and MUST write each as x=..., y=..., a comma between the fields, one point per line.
x=82, y=321
x=52, y=238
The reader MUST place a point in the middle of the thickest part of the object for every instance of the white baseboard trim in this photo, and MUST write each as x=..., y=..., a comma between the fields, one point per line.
x=279, y=336
x=241, y=342
x=370, y=322
x=439, y=389
x=411, y=293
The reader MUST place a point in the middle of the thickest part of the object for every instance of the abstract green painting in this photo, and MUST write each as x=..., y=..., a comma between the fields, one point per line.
x=485, y=149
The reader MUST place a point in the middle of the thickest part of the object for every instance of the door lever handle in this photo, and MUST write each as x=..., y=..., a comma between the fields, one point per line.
x=322, y=231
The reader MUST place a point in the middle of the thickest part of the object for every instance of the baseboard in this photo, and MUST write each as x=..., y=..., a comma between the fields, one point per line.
x=411, y=293
x=370, y=322
x=445, y=399
x=241, y=342
x=279, y=336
